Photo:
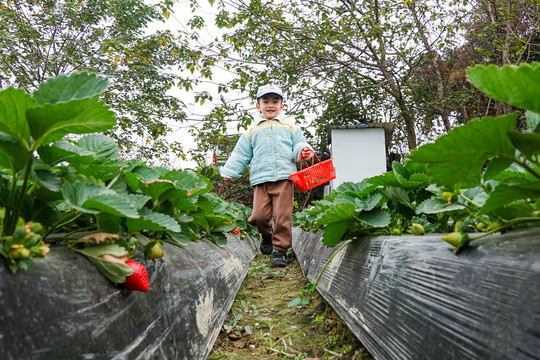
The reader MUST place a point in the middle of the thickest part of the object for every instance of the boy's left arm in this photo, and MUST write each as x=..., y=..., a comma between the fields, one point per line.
x=301, y=149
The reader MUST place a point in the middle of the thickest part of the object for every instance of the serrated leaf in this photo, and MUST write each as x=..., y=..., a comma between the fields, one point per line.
x=13, y=154
x=113, y=204
x=76, y=194
x=504, y=194
x=152, y=221
x=115, y=272
x=362, y=187
x=459, y=156
x=102, y=146
x=47, y=179
x=60, y=151
x=496, y=166
x=533, y=122
x=190, y=181
x=333, y=233
x=49, y=123
x=432, y=206
x=386, y=179
x=368, y=203
x=398, y=195
x=377, y=217
x=218, y=238
x=64, y=88
x=183, y=237
x=13, y=106
x=515, y=85
x=527, y=143
x=337, y=213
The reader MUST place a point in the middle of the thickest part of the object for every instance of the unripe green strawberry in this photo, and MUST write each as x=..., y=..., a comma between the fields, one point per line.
x=19, y=253
x=155, y=252
x=452, y=238
x=481, y=226
x=447, y=195
x=139, y=279
x=418, y=229
x=396, y=231
x=494, y=225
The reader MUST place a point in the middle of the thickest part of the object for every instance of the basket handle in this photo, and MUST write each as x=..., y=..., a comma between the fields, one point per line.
x=312, y=159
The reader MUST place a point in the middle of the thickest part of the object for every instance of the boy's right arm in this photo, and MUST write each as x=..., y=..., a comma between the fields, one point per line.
x=239, y=159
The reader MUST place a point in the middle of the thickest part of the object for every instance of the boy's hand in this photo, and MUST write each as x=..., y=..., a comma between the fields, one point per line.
x=307, y=153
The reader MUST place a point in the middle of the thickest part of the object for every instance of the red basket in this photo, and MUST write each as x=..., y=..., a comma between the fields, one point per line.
x=314, y=175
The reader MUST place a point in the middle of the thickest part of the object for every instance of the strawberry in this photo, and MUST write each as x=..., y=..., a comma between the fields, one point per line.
x=154, y=252
x=139, y=279
x=236, y=231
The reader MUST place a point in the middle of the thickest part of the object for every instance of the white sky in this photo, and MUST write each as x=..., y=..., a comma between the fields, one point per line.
x=176, y=22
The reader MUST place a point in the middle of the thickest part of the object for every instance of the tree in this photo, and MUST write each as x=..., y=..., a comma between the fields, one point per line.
x=43, y=38
x=361, y=54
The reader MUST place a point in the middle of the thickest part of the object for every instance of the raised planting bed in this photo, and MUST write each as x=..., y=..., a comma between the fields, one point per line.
x=409, y=297
x=64, y=308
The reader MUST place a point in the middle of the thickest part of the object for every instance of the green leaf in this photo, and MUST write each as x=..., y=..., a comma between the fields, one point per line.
x=515, y=85
x=111, y=203
x=398, y=195
x=432, y=206
x=218, y=238
x=504, y=194
x=13, y=106
x=64, y=151
x=152, y=221
x=527, y=143
x=76, y=194
x=533, y=122
x=102, y=146
x=459, y=156
x=377, y=217
x=337, y=213
x=368, y=203
x=14, y=155
x=64, y=88
x=47, y=179
x=49, y=123
x=496, y=166
x=190, y=181
x=115, y=272
x=333, y=233
x=181, y=237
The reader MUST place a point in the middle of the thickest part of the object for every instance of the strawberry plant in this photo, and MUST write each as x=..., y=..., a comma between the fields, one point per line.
x=55, y=171
x=480, y=178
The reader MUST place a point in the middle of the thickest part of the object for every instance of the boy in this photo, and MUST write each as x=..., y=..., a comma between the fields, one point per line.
x=271, y=146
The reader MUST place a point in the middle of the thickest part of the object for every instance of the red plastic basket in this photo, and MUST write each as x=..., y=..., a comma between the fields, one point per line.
x=314, y=175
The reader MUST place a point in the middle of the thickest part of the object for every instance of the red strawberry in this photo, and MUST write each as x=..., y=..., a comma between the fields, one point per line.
x=236, y=231
x=139, y=279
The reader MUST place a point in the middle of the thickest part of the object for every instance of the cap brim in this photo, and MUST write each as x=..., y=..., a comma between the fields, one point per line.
x=269, y=92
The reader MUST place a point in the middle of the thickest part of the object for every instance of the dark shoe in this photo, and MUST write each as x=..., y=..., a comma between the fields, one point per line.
x=279, y=259
x=266, y=244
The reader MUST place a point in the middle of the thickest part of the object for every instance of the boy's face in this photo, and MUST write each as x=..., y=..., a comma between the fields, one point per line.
x=270, y=106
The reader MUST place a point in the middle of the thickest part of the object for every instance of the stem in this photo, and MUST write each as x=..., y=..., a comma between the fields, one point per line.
x=325, y=265
x=62, y=222
x=18, y=204
x=9, y=209
x=507, y=225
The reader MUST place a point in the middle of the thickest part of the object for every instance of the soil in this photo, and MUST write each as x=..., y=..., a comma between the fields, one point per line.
x=261, y=325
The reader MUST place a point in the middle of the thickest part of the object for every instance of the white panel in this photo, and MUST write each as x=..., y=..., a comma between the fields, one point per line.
x=358, y=154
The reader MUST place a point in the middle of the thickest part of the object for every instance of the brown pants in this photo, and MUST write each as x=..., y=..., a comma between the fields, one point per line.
x=274, y=200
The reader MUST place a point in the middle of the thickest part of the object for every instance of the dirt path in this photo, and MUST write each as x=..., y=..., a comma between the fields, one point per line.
x=261, y=325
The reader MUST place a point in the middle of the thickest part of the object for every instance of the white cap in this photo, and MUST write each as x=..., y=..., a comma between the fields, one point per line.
x=269, y=89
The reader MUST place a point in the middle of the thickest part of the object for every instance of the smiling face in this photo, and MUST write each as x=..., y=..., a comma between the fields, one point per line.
x=270, y=105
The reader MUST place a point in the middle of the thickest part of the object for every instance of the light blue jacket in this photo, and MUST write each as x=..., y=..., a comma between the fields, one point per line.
x=271, y=148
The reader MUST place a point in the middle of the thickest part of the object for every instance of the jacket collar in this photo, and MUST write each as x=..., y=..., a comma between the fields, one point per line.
x=259, y=118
